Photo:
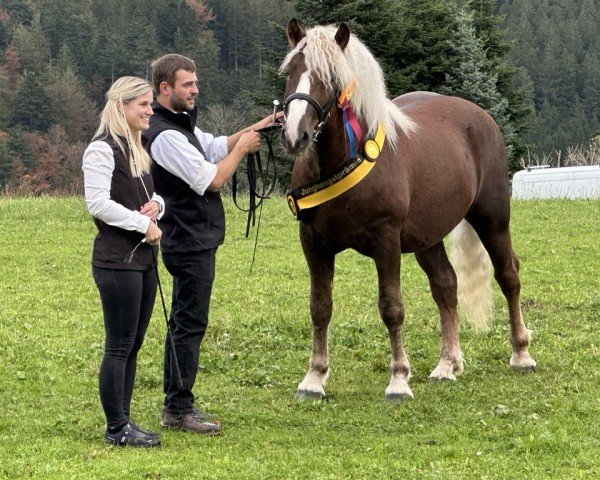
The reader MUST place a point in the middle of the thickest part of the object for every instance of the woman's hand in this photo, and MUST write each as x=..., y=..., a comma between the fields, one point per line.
x=153, y=234
x=151, y=209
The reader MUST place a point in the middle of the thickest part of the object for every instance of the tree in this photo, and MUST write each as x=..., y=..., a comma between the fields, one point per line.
x=513, y=85
x=471, y=79
x=252, y=43
x=13, y=67
x=6, y=161
x=409, y=38
x=4, y=24
x=422, y=46
x=58, y=163
x=12, y=13
x=32, y=46
x=32, y=104
x=5, y=95
x=69, y=107
x=591, y=90
x=556, y=42
x=15, y=155
x=71, y=23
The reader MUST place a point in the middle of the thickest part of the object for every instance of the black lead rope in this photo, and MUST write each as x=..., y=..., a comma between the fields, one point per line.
x=171, y=340
x=261, y=182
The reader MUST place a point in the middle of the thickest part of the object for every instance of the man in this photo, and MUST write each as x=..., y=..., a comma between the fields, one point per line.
x=190, y=167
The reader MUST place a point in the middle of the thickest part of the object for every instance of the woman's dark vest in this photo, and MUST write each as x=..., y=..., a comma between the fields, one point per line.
x=113, y=245
x=192, y=222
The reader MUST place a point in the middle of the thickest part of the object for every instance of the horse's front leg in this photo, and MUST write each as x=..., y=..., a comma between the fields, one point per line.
x=321, y=284
x=391, y=309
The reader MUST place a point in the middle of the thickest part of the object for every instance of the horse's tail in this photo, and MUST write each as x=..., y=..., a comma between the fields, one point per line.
x=473, y=271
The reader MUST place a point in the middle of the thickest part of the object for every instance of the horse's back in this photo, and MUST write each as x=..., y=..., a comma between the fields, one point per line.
x=409, y=101
x=453, y=128
x=433, y=109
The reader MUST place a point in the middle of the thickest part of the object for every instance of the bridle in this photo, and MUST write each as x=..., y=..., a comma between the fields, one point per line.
x=322, y=113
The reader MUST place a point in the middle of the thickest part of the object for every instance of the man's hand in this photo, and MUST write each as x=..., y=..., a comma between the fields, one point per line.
x=268, y=120
x=248, y=142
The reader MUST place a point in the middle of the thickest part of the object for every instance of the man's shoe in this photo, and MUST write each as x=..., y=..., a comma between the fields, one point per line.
x=203, y=416
x=207, y=417
x=190, y=422
x=130, y=436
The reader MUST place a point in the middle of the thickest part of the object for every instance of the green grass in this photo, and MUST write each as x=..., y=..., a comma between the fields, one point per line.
x=256, y=352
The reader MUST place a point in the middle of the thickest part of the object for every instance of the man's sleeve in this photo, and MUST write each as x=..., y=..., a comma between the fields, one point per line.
x=172, y=151
x=215, y=148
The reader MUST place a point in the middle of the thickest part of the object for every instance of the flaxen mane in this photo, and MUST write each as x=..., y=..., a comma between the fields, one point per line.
x=337, y=68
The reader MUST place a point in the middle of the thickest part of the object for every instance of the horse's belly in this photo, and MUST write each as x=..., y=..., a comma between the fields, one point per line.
x=428, y=223
x=419, y=240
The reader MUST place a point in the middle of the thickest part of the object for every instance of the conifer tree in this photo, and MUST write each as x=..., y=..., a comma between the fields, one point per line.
x=4, y=106
x=470, y=78
x=514, y=87
x=32, y=46
x=6, y=160
x=409, y=38
x=69, y=107
x=32, y=104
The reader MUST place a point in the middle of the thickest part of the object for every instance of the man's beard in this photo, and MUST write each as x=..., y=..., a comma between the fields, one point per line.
x=180, y=104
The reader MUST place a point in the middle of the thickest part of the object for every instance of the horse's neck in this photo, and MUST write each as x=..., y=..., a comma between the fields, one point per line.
x=326, y=156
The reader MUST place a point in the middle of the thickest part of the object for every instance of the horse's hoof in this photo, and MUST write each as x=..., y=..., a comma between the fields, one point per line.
x=444, y=373
x=525, y=368
x=309, y=395
x=398, y=397
x=444, y=378
x=523, y=363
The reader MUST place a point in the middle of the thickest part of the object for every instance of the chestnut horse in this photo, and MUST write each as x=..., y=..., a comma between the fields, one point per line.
x=442, y=160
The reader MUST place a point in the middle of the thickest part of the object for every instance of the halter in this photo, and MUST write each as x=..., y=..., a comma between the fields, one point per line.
x=323, y=114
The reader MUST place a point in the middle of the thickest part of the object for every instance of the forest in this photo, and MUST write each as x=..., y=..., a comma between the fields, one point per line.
x=534, y=66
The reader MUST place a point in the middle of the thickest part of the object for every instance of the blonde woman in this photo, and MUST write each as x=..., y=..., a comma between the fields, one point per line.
x=119, y=193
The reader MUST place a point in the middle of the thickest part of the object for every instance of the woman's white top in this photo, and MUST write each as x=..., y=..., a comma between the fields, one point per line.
x=98, y=167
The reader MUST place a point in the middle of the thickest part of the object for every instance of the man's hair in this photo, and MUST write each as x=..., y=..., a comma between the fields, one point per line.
x=165, y=68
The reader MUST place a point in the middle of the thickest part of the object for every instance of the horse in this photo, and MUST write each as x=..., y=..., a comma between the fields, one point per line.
x=425, y=166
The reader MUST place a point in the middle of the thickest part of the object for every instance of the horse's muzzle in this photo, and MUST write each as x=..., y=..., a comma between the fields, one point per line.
x=298, y=145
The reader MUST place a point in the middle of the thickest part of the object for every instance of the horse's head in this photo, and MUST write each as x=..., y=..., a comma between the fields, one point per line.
x=309, y=94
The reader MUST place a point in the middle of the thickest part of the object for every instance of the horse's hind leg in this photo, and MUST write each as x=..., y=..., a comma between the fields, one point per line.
x=495, y=236
x=321, y=303
x=442, y=281
x=392, y=314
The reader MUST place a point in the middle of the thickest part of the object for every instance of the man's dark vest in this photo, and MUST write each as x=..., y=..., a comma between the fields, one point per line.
x=191, y=222
x=113, y=244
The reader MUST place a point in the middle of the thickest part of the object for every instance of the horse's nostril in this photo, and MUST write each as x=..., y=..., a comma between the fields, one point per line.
x=305, y=137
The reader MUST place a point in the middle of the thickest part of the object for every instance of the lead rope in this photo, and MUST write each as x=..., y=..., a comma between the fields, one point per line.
x=256, y=174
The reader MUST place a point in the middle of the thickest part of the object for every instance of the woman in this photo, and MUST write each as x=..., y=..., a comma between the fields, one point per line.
x=119, y=193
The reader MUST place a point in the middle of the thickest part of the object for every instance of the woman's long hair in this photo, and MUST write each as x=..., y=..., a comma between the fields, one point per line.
x=113, y=123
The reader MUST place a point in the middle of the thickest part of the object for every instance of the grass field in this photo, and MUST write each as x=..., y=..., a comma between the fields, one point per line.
x=493, y=423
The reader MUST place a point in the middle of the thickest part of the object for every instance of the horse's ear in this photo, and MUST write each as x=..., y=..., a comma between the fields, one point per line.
x=342, y=36
x=295, y=33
